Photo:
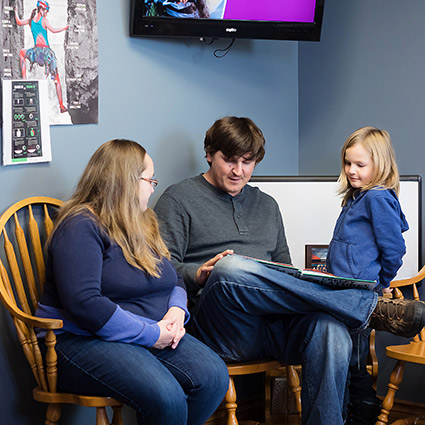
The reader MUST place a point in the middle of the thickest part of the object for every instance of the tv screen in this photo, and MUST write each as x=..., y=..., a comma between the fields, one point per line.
x=255, y=19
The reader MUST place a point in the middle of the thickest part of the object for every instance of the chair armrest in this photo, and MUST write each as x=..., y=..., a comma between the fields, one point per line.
x=409, y=281
x=38, y=322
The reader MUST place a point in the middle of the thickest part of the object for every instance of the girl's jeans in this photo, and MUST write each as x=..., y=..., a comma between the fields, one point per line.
x=248, y=310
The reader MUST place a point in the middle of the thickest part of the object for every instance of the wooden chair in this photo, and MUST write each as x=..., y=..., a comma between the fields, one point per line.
x=22, y=250
x=247, y=368
x=414, y=352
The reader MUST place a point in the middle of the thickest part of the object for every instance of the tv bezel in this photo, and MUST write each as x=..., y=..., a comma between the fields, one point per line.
x=147, y=26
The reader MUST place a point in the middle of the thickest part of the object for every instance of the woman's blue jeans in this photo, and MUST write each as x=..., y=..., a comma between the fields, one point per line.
x=165, y=387
x=248, y=310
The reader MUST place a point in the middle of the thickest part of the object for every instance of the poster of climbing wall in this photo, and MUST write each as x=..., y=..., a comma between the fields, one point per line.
x=55, y=40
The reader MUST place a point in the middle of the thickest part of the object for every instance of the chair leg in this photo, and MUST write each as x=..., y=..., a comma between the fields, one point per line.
x=101, y=416
x=388, y=403
x=117, y=418
x=53, y=414
x=294, y=386
x=267, y=397
x=230, y=403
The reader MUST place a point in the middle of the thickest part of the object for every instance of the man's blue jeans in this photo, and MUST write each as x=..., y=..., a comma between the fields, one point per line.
x=165, y=387
x=248, y=310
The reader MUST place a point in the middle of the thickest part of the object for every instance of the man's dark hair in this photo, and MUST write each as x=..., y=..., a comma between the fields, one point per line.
x=235, y=137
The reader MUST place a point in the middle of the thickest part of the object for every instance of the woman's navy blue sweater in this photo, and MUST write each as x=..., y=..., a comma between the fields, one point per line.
x=95, y=291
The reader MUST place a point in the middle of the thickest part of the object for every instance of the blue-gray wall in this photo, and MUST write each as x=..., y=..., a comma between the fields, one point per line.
x=164, y=94
x=368, y=69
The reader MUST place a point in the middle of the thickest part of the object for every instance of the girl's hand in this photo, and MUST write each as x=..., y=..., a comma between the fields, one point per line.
x=204, y=271
x=167, y=334
x=179, y=315
x=387, y=291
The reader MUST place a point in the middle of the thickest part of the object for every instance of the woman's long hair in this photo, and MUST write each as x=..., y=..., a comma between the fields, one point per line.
x=378, y=144
x=33, y=13
x=109, y=189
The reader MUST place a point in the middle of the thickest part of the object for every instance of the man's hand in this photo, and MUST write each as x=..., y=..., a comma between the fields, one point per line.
x=204, y=271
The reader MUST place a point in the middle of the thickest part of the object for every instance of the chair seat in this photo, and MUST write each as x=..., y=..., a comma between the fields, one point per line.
x=69, y=398
x=413, y=352
x=257, y=366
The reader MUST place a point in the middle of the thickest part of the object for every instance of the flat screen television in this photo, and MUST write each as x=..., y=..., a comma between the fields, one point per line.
x=255, y=19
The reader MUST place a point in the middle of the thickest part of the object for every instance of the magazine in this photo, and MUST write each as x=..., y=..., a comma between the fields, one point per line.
x=320, y=277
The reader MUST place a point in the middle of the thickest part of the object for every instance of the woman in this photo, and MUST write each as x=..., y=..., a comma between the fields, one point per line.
x=41, y=53
x=109, y=278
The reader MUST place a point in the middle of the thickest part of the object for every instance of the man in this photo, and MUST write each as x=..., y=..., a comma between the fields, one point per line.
x=246, y=310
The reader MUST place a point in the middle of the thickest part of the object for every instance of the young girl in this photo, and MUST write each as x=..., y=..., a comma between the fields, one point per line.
x=367, y=242
x=123, y=305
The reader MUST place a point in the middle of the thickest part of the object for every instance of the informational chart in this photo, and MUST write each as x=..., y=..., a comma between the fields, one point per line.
x=26, y=132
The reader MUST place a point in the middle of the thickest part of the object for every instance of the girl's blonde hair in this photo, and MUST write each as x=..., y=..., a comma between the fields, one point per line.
x=378, y=144
x=109, y=188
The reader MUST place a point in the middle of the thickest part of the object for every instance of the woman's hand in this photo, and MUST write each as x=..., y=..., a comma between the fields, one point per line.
x=204, y=271
x=168, y=330
x=179, y=315
x=20, y=21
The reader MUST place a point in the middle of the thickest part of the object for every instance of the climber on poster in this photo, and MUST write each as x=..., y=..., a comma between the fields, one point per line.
x=41, y=53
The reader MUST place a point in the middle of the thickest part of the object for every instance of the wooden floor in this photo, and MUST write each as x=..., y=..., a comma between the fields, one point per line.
x=255, y=408
x=401, y=410
x=291, y=420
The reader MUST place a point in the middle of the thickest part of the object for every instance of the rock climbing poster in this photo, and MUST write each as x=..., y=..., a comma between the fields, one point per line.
x=54, y=40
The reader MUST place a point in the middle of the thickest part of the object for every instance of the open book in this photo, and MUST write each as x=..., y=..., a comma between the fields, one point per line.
x=317, y=276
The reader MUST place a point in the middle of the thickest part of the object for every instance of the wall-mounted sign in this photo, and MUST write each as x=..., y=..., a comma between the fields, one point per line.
x=26, y=131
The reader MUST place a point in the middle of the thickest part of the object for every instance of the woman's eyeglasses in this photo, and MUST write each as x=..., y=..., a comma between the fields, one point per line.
x=153, y=182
